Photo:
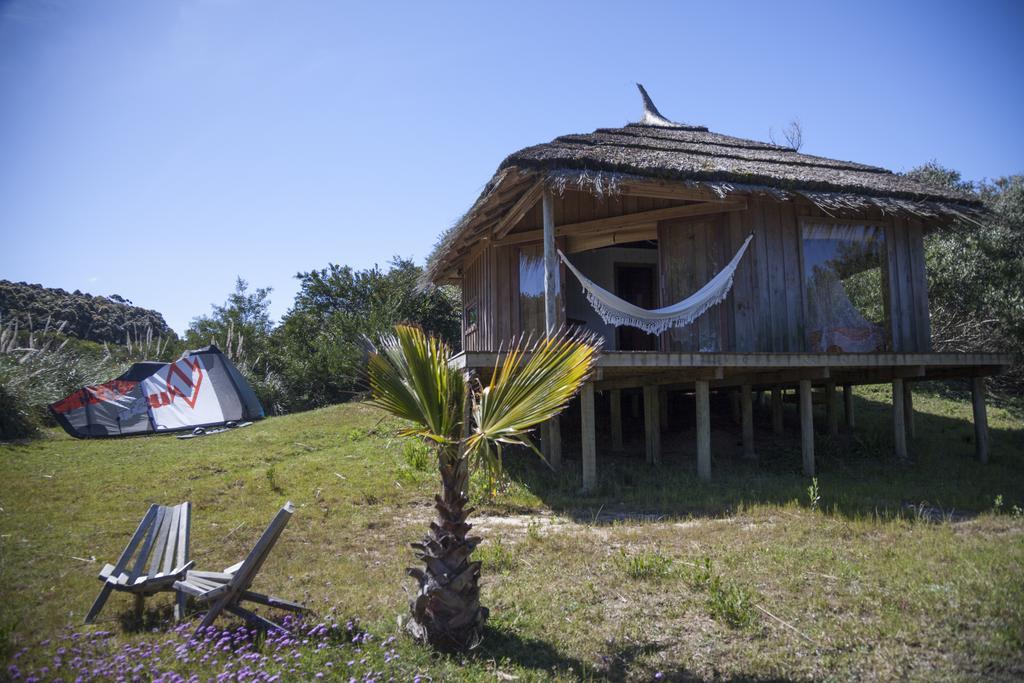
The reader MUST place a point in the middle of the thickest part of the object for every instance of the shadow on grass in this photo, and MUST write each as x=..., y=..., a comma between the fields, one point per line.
x=620, y=663
x=684, y=676
x=153, y=617
x=500, y=644
x=858, y=476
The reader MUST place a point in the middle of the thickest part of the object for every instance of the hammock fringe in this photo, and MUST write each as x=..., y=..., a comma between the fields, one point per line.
x=618, y=312
x=618, y=319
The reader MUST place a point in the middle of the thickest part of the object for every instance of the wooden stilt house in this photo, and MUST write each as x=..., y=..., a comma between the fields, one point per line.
x=830, y=292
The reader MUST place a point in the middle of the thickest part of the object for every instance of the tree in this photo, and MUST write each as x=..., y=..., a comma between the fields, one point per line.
x=468, y=426
x=242, y=325
x=976, y=271
x=242, y=329
x=337, y=307
x=793, y=134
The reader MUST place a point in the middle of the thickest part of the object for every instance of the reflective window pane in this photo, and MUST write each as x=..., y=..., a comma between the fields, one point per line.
x=846, y=288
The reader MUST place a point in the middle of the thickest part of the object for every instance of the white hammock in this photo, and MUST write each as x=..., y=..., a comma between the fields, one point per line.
x=616, y=311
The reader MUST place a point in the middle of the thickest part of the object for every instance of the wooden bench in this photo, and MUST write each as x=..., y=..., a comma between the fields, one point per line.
x=164, y=537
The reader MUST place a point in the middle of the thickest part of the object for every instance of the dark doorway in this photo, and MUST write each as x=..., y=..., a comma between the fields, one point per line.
x=635, y=283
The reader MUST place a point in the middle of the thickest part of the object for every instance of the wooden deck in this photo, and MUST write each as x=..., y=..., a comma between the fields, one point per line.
x=622, y=369
x=743, y=374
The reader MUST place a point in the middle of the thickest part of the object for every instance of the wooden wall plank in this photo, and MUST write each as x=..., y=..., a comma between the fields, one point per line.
x=920, y=280
x=776, y=277
x=914, y=342
x=902, y=327
x=762, y=289
x=802, y=210
x=471, y=295
x=722, y=253
x=743, y=289
x=491, y=297
x=705, y=324
x=892, y=268
x=791, y=239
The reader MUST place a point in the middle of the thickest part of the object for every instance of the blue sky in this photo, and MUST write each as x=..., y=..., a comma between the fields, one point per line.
x=158, y=149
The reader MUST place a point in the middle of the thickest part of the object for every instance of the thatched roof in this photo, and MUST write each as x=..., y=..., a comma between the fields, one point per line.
x=659, y=149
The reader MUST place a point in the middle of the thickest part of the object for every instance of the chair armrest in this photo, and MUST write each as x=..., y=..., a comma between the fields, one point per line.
x=183, y=569
x=234, y=568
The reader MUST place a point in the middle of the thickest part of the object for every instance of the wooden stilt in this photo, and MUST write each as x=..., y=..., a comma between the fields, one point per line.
x=908, y=410
x=831, y=410
x=981, y=445
x=807, y=426
x=777, y=411
x=703, y=430
x=652, y=430
x=747, y=410
x=899, y=429
x=588, y=437
x=734, y=404
x=615, y=396
x=848, y=406
x=553, y=447
x=663, y=409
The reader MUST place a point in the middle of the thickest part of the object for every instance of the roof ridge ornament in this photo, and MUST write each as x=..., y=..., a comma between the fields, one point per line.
x=653, y=117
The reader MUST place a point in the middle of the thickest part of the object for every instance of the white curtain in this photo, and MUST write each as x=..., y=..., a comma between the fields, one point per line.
x=616, y=311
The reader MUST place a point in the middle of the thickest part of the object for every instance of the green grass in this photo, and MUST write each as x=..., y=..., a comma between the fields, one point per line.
x=736, y=579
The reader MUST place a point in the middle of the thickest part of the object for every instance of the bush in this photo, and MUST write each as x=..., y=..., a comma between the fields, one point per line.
x=321, y=342
x=646, y=565
x=417, y=455
x=15, y=421
x=497, y=556
x=976, y=273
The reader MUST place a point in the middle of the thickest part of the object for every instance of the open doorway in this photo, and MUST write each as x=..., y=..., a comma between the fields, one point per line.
x=636, y=283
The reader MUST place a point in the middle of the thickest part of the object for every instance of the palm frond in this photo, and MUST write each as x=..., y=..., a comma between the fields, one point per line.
x=410, y=378
x=529, y=386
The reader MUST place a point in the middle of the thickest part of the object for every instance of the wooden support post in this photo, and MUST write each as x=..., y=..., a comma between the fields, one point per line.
x=777, y=411
x=734, y=405
x=652, y=431
x=552, y=434
x=747, y=409
x=588, y=437
x=980, y=418
x=848, y=406
x=550, y=265
x=908, y=410
x=899, y=429
x=615, y=396
x=663, y=409
x=807, y=426
x=703, y=430
x=831, y=410
x=551, y=440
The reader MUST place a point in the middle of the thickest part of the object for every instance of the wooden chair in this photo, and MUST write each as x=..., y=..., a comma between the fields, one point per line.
x=166, y=533
x=224, y=590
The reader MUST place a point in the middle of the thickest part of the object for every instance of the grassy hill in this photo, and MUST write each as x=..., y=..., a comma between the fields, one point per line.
x=911, y=572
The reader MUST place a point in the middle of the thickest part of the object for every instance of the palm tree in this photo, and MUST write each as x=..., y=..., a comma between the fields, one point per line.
x=468, y=426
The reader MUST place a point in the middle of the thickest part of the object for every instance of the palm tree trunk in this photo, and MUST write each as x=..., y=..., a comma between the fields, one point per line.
x=446, y=612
